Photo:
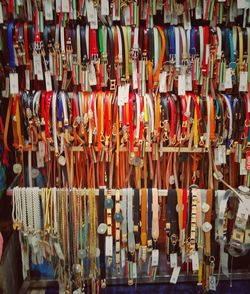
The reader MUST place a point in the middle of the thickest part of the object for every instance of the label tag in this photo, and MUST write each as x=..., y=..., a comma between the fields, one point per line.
x=1, y=13
x=173, y=260
x=109, y=246
x=189, y=82
x=39, y=160
x=78, y=291
x=216, y=157
x=48, y=9
x=48, y=81
x=228, y=81
x=65, y=6
x=248, y=160
x=27, y=79
x=181, y=85
x=134, y=270
x=155, y=257
x=163, y=82
x=126, y=15
x=212, y=283
x=222, y=154
x=41, y=148
x=92, y=75
x=59, y=251
x=198, y=11
x=242, y=4
x=187, y=21
x=207, y=53
x=126, y=93
x=38, y=69
x=90, y=11
x=224, y=263
x=104, y=7
x=123, y=258
x=195, y=260
x=134, y=75
x=243, y=81
x=14, y=87
x=175, y=275
x=120, y=95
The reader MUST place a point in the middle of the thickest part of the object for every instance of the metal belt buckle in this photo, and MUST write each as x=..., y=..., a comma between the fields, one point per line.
x=134, y=53
x=104, y=58
x=95, y=57
x=112, y=85
x=144, y=56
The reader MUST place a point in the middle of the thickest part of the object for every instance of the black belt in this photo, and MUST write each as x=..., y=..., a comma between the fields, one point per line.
x=84, y=53
x=172, y=218
x=137, y=216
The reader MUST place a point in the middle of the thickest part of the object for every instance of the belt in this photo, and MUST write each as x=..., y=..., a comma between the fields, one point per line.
x=144, y=223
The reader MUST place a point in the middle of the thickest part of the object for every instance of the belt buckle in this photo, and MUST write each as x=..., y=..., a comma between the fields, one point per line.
x=95, y=57
x=134, y=53
x=112, y=85
x=104, y=57
x=144, y=56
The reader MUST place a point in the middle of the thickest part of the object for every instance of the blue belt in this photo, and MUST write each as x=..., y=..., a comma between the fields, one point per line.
x=172, y=41
x=12, y=62
x=192, y=50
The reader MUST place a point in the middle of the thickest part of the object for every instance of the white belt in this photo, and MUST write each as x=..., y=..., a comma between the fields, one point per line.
x=78, y=44
x=201, y=44
x=219, y=53
x=131, y=237
x=184, y=44
x=177, y=46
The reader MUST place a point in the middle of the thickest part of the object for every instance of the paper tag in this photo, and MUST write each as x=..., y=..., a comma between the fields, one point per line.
x=134, y=75
x=39, y=160
x=134, y=270
x=195, y=260
x=38, y=66
x=90, y=11
x=198, y=11
x=189, y=82
x=228, y=81
x=14, y=87
x=222, y=154
x=123, y=258
x=48, y=81
x=94, y=23
x=212, y=283
x=1, y=13
x=155, y=257
x=6, y=91
x=173, y=260
x=126, y=93
x=163, y=82
x=48, y=10
x=65, y=6
x=224, y=263
x=187, y=21
x=104, y=7
x=41, y=148
x=216, y=157
x=120, y=95
x=207, y=53
x=109, y=246
x=181, y=85
x=175, y=275
x=59, y=251
x=243, y=81
x=183, y=255
x=242, y=4
x=27, y=79
x=92, y=75
x=126, y=15
x=248, y=160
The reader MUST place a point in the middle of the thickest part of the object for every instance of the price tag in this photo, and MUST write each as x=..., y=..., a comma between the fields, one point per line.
x=48, y=81
x=189, y=82
x=171, y=180
x=195, y=260
x=48, y=9
x=14, y=87
x=135, y=75
x=167, y=17
x=90, y=11
x=78, y=291
x=59, y=251
x=173, y=260
x=222, y=154
x=104, y=7
x=38, y=69
x=175, y=275
x=109, y=246
x=163, y=82
x=126, y=93
x=224, y=263
x=187, y=21
x=94, y=23
x=155, y=257
x=181, y=85
x=248, y=160
x=41, y=148
x=126, y=15
x=6, y=91
x=58, y=6
x=123, y=258
x=39, y=160
x=242, y=4
x=27, y=79
x=120, y=95
x=134, y=270
x=216, y=157
x=243, y=81
x=65, y=6
x=212, y=283
x=1, y=13
x=198, y=11
x=92, y=75
x=228, y=81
